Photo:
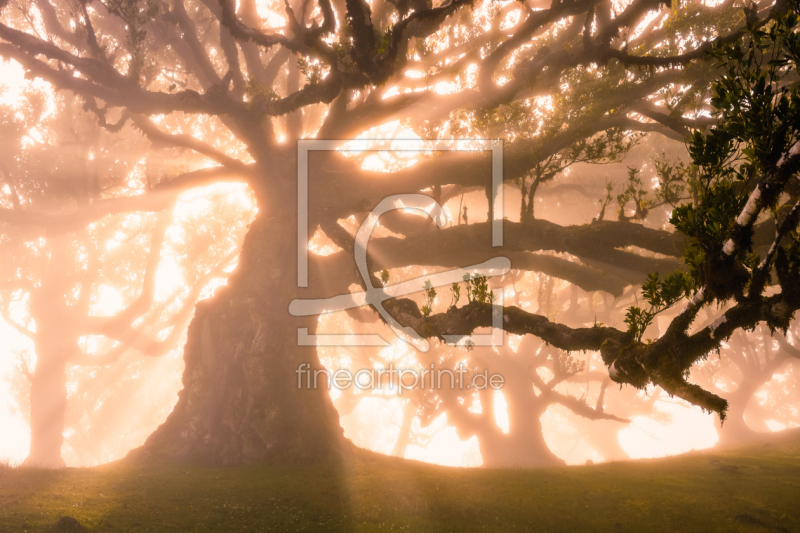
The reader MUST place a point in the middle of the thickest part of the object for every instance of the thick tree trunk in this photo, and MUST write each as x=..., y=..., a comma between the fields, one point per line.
x=241, y=401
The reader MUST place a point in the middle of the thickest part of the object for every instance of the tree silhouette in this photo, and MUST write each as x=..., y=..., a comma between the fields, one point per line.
x=57, y=282
x=563, y=84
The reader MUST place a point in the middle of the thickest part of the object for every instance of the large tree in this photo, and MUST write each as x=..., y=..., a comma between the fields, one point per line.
x=562, y=84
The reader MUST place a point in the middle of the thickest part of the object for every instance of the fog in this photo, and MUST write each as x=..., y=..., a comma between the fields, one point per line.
x=122, y=214
x=117, y=393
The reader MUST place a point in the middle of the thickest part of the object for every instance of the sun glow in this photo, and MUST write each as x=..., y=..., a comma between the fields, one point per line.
x=156, y=263
x=678, y=428
x=225, y=207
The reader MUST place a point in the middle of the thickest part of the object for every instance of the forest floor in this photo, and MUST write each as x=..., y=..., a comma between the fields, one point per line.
x=751, y=488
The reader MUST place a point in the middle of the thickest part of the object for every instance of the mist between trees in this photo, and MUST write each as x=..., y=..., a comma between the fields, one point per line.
x=149, y=214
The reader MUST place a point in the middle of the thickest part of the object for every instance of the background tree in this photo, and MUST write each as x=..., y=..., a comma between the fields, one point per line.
x=85, y=293
x=744, y=371
x=562, y=84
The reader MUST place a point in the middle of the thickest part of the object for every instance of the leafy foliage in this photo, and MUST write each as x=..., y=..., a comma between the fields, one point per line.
x=660, y=294
x=135, y=14
x=478, y=289
x=455, y=290
x=634, y=192
x=740, y=167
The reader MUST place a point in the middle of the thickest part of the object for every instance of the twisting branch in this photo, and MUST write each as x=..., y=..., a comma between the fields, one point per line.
x=161, y=197
x=242, y=32
x=187, y=141
x=464, y=320
x=760, y=275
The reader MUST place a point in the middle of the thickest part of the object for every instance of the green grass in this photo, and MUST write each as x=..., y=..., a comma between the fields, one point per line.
x=754, y=488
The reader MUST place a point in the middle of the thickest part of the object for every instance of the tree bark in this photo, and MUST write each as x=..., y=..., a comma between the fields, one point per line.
x=241, y=401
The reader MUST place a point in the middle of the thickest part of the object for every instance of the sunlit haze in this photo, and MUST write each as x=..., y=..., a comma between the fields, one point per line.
x=132, y=277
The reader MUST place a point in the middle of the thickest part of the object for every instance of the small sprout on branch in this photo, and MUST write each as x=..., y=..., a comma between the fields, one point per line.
x=478, y=288
x=455, y=290
x=635, y=193
x=312, y=70
x=430, y=296
x=604, y=202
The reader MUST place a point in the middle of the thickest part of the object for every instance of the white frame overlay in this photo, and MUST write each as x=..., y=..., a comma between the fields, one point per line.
x=375, y=296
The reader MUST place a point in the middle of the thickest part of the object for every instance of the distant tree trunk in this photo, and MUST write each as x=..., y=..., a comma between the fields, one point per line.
x=735, y=430
x=241, y=401
x=53, y=346
x=524, y=447
x=524, y=444
x=48, y=407
x=756, y=372
x=603, y=436
x=404, y=435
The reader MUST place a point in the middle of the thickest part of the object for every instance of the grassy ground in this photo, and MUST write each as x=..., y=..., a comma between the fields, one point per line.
x=753, y=488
